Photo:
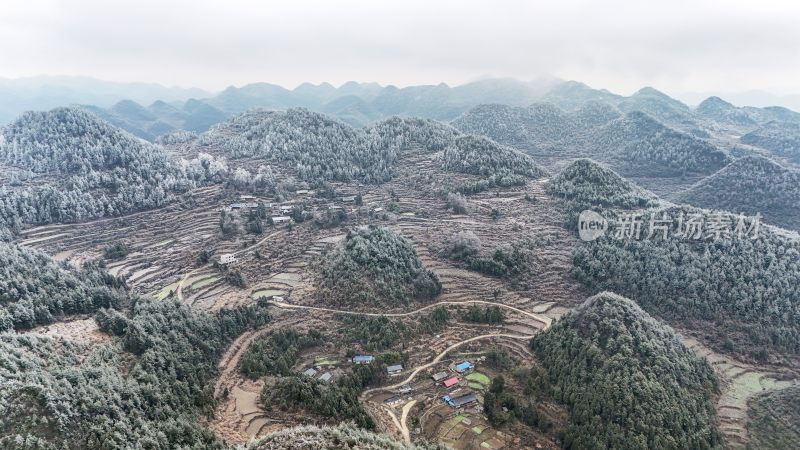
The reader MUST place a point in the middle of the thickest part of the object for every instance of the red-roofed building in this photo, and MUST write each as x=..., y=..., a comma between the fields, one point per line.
x=450, y=382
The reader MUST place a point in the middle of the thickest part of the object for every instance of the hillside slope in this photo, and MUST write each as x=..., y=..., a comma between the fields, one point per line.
x=68, y=165
x=751, y=185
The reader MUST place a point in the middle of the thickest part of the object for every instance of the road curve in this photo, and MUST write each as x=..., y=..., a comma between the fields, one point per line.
x=544, y=320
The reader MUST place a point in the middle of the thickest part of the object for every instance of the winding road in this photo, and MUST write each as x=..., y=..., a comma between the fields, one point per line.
x=401, y=423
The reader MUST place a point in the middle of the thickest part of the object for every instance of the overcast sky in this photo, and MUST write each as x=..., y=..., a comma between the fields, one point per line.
x=677, y=46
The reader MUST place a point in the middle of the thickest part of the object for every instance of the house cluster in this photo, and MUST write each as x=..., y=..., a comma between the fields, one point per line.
x=460, y=396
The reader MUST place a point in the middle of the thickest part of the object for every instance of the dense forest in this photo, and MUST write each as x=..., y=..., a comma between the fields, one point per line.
x=627, y=380
x=741, y=294
x=36, y=290
x=323, y=148
x=780, y=138
x=751, y=185
x=92, y=170
x=277, y=352
x=340, y=437
x=503, y=261
x=375, y=267
x=586, y=184
x=144, y=388
x=774, y=417
x=335, y=401
x=642, y=146
x=501, y=166
x=634, y=143
x=374, y=333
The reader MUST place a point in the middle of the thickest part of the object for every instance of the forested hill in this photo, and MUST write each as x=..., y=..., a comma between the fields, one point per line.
x=780, y=138
x=68, y=165
x=36, y=290
x=586, y=184
x=739, y=292
x=634, y=144
x=641, y=146
x=146, y=387
x=73, y=141
x=627, y=380
x=320, y=147
x=375, y=267
x=752, y=185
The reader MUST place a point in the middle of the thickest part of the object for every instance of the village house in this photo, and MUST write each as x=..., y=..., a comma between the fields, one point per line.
x=227, y=258
x=393, y=400
x=450, y=382
x=394, y=370
x=464, y=366
x=326, y=377
x=281, y=219
x=310, y=372
x=437, y=377
x=248, y=205
x=363, y=359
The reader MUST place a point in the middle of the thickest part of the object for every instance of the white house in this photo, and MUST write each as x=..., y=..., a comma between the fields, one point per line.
x=227, y=258
x=281, y=219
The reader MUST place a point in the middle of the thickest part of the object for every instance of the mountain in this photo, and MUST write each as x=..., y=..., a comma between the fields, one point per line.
x=572, y=95
x=782, y=139
x=714, y=108
x=46, y=92
x=323, y=148
x=67, y=165
x=160, y=117
x=638, y=145
x=627, y=379
x=588, y=184
x=661, y=107
x=718, y=284
x=751, y=185
x=634, y=144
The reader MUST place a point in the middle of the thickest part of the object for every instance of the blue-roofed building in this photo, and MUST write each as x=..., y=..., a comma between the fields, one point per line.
x=363, y=359
x=464, y=366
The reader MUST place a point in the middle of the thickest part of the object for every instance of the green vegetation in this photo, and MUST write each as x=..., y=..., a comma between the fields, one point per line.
x=340, y=437
x=782, y=138
x=502, y=405
x=117, y=250
x=586, y=184
x=466, y=247
x=741, y=295
x=487, y=314
x=235, y=278
x=773, y=420
x=751, y=185
x=627, y=380
x=374, y=333
x=375, y=267
x=145, y=388
x=98, y=169
x=276, y=353
x=36, y=290
x=433, y=322
x=497, y=164
x=335, y=401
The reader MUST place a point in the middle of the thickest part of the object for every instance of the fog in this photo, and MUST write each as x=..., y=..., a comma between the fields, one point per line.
x=678, y=46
